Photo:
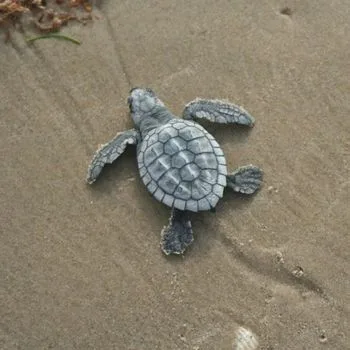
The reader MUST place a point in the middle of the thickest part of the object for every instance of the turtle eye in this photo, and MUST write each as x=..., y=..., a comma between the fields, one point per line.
x=150, y=92
x=129, y=101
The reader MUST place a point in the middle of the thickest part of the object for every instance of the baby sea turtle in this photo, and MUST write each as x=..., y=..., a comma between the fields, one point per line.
x=180, y=163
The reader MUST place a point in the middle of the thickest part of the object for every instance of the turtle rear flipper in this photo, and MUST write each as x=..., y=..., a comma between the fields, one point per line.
x=218, y=112
x=246, y=179
x=178, y=235
x=110, y=151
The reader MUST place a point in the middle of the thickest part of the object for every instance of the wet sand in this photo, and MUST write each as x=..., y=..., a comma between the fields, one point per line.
x=81, y=266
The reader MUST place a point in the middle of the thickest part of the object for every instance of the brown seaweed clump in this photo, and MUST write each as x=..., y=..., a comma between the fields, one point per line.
x=46, y=16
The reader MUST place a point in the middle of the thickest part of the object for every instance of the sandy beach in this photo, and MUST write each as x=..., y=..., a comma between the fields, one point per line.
x=81, y=266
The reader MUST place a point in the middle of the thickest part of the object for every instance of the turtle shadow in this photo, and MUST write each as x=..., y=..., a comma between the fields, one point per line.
x=124, y=170
x=236, y=200
x=228, y=133
x=118, y=172
x=205, y=224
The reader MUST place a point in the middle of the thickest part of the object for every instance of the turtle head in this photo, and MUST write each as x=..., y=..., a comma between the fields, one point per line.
x=143, y=103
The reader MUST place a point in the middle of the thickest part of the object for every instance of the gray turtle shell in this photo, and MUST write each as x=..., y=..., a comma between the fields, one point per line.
x=183, y=166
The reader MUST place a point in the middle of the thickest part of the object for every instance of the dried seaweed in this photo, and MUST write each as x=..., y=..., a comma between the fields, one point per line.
x=46, y=16
x=11, y=9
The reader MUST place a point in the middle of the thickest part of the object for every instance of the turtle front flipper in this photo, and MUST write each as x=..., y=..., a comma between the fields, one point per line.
x=246, y=179
x=110, y=151
x=218, y=112
x=178, y=235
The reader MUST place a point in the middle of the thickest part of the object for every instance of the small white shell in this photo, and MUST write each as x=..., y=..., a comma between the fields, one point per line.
x=245, y=340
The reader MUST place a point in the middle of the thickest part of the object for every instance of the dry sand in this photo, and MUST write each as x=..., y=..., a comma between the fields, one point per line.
x=81, y=266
